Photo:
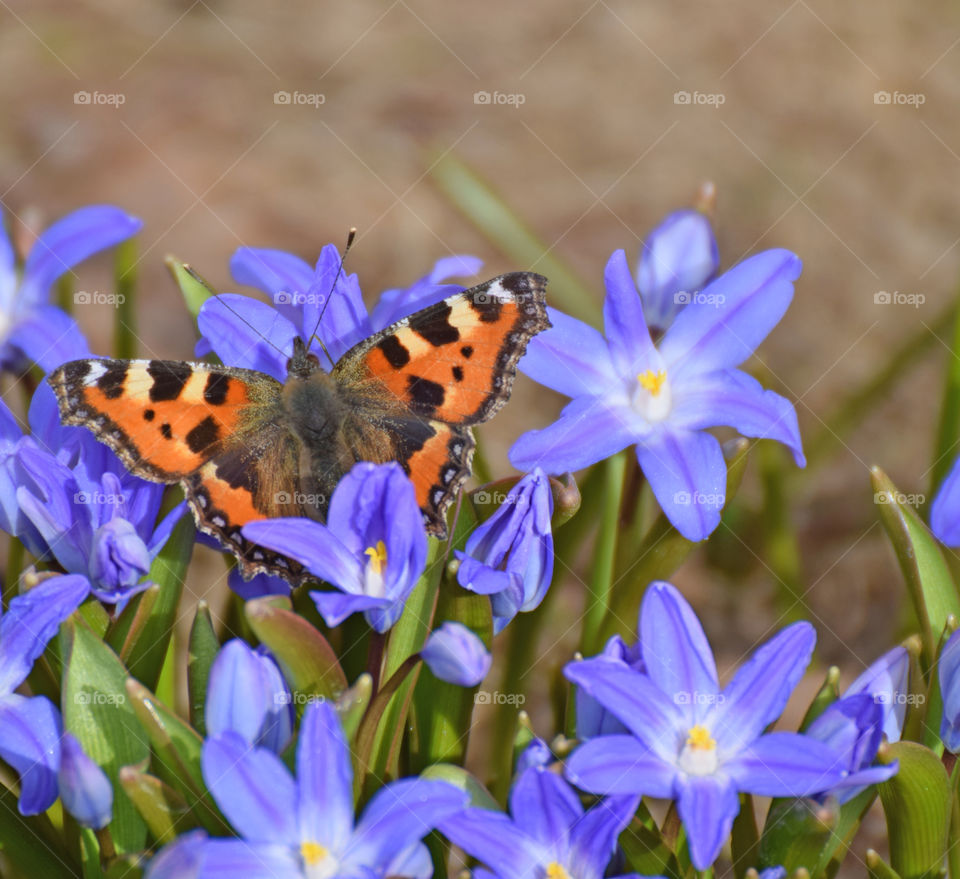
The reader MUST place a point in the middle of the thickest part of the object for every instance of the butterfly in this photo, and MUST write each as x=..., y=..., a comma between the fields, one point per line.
x=245, y=446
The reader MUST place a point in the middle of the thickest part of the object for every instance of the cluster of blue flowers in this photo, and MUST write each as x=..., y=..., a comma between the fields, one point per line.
x=652, y=719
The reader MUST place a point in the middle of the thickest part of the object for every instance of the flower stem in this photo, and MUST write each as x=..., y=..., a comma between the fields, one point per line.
x=605, y=551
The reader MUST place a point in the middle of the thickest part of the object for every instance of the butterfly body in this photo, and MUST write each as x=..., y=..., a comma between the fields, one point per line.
x=246, y=447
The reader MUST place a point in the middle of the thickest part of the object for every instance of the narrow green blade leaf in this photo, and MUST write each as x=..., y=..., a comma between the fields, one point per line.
x=164, y=810
x=204, y=647
x=195, y=290
x=30, y=846
x=878, y=868
x=929, y=583
x=96, y=710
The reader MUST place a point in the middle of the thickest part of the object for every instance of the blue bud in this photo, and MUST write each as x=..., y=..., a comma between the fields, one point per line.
x=456, y=655
x=84, y=787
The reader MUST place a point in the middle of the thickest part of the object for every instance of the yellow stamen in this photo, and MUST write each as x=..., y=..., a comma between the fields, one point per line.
x=378, y=556
x=313, y=853
x=652, y=381
x=556, y=871
x=699, y=738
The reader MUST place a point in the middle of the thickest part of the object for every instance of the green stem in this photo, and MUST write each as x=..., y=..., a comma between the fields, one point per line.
x=948, y=428
x=605, y=551
x=15, y=560
x=124, y=327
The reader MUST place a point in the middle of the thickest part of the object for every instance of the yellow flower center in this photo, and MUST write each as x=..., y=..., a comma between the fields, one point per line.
x=652, y=381
x=313, y=853
x=378, y=556
x=699, y=738
x=556, y=871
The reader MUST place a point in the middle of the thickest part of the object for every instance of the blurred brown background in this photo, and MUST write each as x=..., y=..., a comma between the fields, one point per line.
x=802, y=155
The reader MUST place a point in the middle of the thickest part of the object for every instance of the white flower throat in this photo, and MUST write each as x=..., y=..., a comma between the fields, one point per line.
x=652, y=398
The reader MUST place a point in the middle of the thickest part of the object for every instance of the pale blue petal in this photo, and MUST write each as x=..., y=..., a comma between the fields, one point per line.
x=752, y=296
x=731, y=398
x=84, y=787
x=272, y=271
x=253, y=789
x=181, y=859
x=621, y=764
x=236, y=858
x=593, y=839
x=49, y=337
x=785, y=764
x=30, y=742
x=544, y=806
x=948, y=671
x=571, y=357
x=493, y=839
x=623, y=321
x=688, y=476
x=335, y=607
x=945, y=510
x=887, y=680
x=707, y=807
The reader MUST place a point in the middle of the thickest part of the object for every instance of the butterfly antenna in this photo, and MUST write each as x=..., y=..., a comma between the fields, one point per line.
x=351, y=235
x=203, y=283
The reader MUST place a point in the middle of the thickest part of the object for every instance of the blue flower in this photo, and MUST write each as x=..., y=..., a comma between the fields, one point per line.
x=31, y=329
x=304, y=827
x=247, y=695
x=691, y=741
x=627, y=391
x=373, y=547
x=592, y=718
x=510, y=556
x=456, y=655
x=30, y=728
x=248, y=333
x=945, y=510
x=547, y=834
x=84, y=787
x=677, y=260
x=71, y=500
x=948, y=673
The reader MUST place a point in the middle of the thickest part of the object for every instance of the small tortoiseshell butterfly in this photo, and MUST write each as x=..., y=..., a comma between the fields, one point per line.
x=246, y=447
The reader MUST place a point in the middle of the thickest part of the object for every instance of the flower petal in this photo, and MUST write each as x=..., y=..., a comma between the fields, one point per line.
x=945, y=511
x=31, y=620
x=456, y=655
x=181, y=859
x=8, y=271
x=231, y=858
x=571, y=357
x=593, y=839
x=492, y=838
x=31, y=745
x=253, y=789
x=761, y=687
x=731, y=398
x=648, y=712
x=676, y=653
x=887, y=680
x=70, y=241
x=620, y=764
x=325, y=778
x=272, y=271
x=400, y=814
x=84, y=787
x=335, y=607
x=785, y=764
x=688, y=476
x=623, y=321
x=707, y=806
x=948, y=671
x=49, y=337
x=544, y=806
x=345, y=319
x=588, y=430
x=247, y=333
x=735, y=313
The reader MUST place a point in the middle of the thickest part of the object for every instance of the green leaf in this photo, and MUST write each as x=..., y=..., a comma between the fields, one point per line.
x=96, y=710
x=125, y=319
x=878, y=868
x=148, y=649
x=194, y=288
x=353, y=703
x=305, y=656
x=948, y=427
x=828, y=693
x=30, y=846
x=646, y=850
x=489, y=212
x=928, y=579
x=177, y=749
x=90, y=854
x=204, y=647
x=164, y=810
x=662, y=551
x=916, y=802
